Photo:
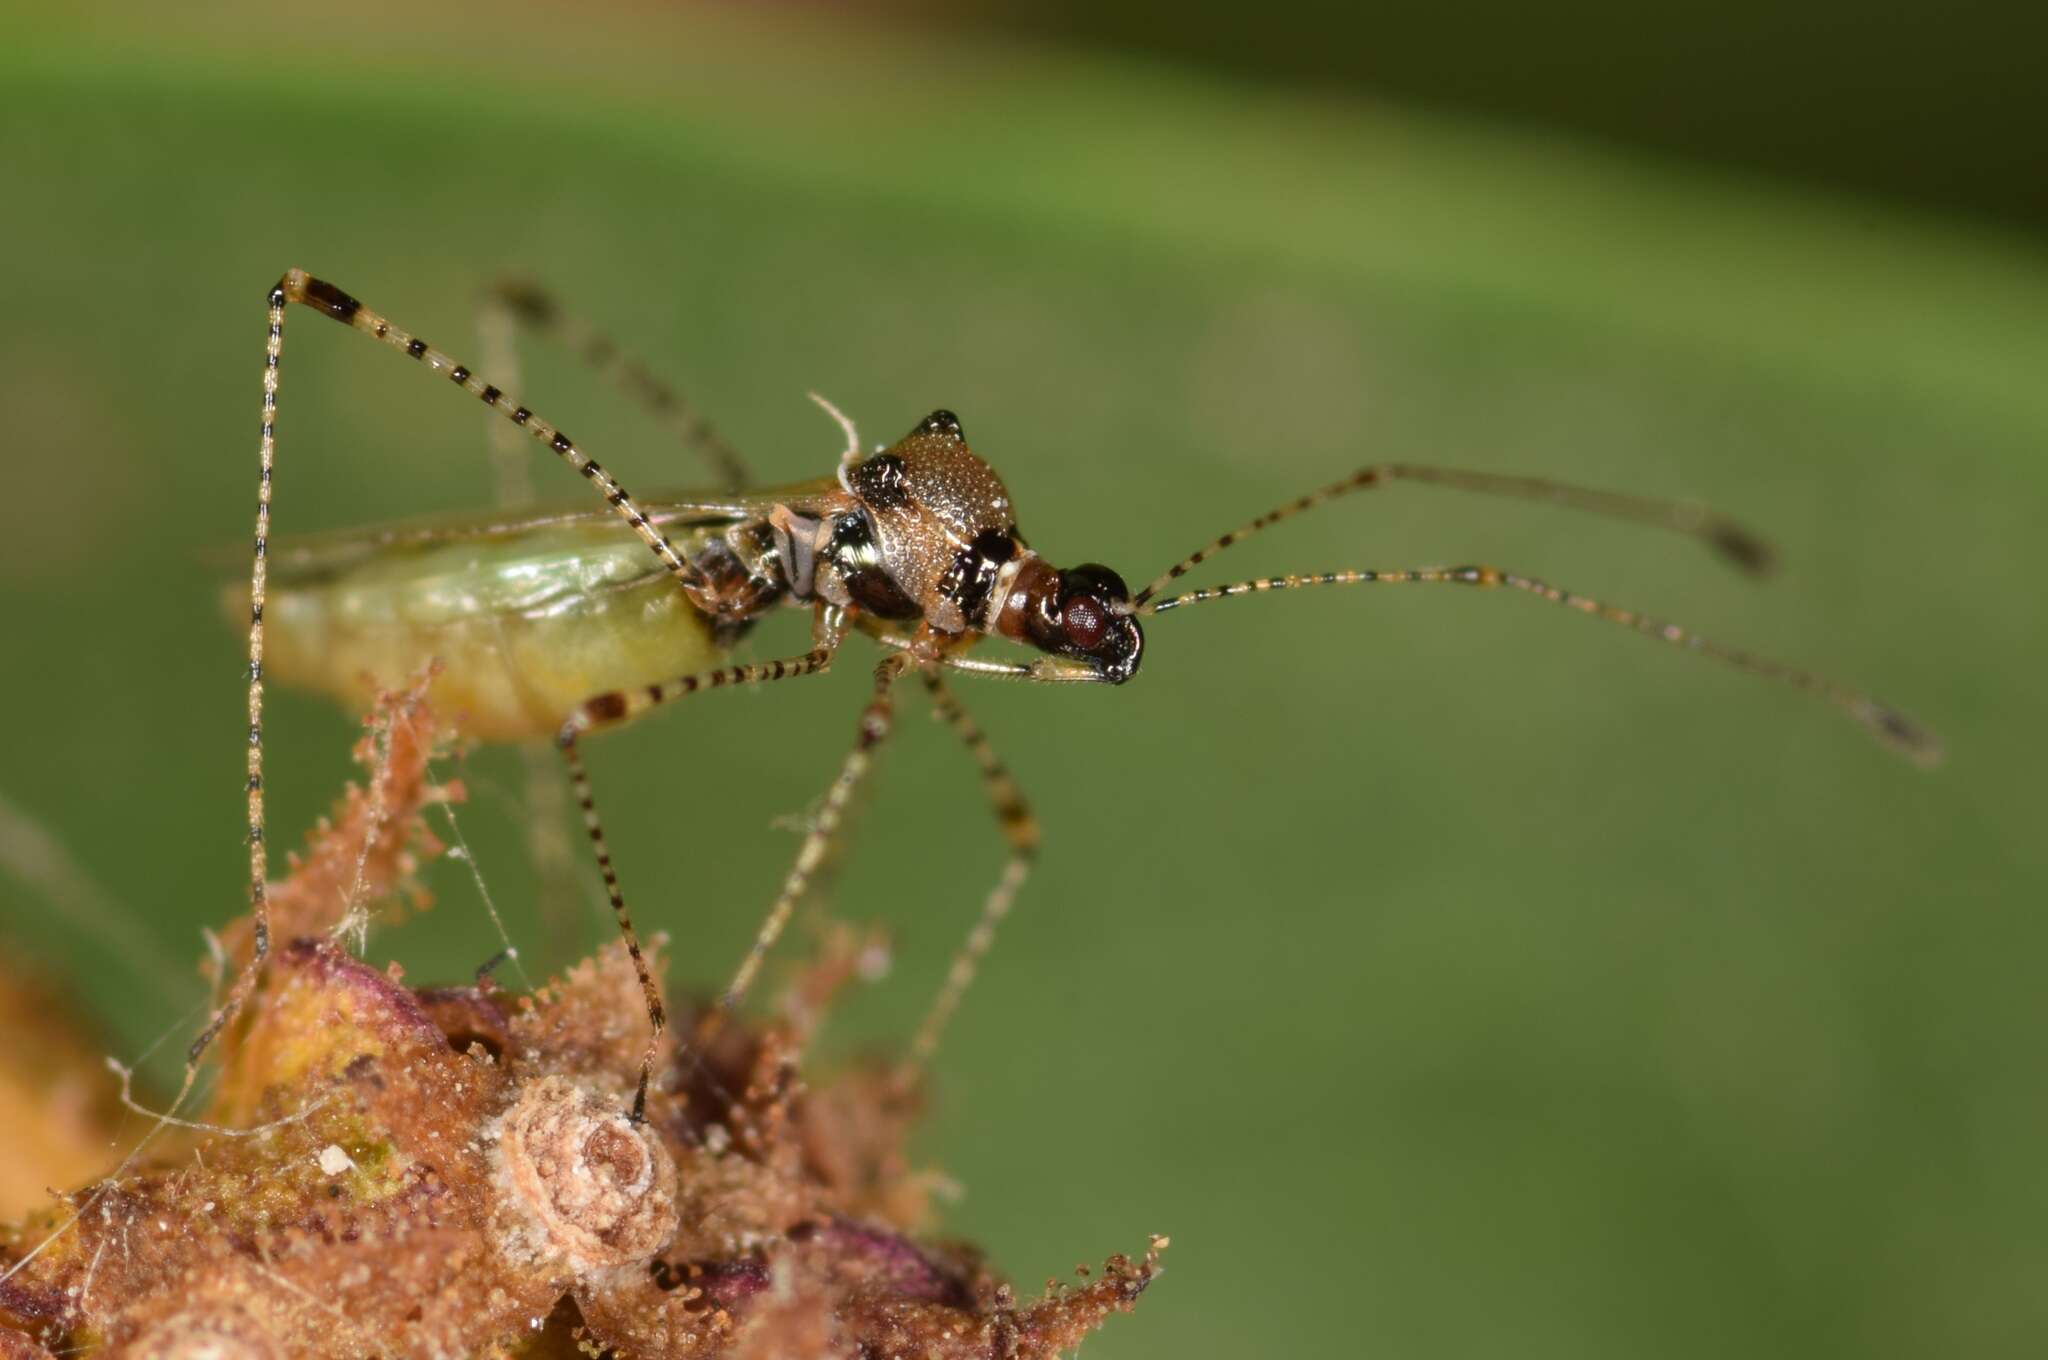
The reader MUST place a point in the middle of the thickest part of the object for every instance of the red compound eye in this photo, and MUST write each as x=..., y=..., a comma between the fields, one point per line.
x=1084, y=620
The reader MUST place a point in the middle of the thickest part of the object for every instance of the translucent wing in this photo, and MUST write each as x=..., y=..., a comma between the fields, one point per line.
x=310, y=557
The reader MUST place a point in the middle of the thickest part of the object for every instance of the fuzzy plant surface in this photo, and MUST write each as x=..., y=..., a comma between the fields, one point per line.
x=384, y=1170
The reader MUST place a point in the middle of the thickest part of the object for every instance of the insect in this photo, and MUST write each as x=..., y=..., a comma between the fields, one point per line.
x=562, y=624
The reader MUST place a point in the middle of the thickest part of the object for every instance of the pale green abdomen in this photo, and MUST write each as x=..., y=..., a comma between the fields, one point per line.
x=524, y=630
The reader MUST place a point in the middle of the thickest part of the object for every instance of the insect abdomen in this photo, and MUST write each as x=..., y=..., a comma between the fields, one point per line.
x=524, y=631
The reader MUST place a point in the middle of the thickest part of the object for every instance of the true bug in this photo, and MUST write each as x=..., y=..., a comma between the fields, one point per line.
x=560, y=624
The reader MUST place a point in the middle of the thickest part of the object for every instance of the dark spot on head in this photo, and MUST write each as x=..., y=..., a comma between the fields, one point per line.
x=881, y=482
x=606, y=707
x=1096, y=579
x=940, y=422
x=971, y=577
x=997, y=545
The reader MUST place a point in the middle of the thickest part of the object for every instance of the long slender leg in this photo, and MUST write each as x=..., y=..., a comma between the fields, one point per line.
x=536, y=308
x=608, y=710
x=1730, y=540
x=259, y=870
x=301, y=287
x=876, y=720
x=323, y=297
x=1020, y=830
x=1890, y=726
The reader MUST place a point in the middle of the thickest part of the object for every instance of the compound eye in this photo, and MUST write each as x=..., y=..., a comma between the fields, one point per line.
x=1085, y=620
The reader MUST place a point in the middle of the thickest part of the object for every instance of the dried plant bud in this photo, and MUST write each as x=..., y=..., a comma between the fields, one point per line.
x=580, y=1184
x=386, y=1172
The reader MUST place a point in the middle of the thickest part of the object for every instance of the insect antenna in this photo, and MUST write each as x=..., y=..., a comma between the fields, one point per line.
x=1733, y=543
x=1890, y=726
x=1730, y=540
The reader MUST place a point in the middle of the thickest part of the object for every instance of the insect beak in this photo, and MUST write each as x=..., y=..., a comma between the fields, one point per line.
x=1117, y=659
x=1050, y=669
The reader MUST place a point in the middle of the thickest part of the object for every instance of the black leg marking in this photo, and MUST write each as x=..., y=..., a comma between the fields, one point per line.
x=606, y=710
x=657, y=1014
x=298, y=286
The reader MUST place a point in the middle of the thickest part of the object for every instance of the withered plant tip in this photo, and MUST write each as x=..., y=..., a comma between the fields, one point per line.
x=455, y=1172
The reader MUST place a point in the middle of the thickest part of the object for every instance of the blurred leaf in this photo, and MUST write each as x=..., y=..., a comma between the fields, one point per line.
x=1397, y=953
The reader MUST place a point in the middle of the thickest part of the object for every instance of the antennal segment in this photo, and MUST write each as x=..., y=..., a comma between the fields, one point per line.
x=850, y=455
x=1730, y=541
x=1890, y=726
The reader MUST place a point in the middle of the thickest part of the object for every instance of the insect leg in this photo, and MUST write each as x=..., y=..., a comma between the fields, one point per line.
x=538, y=310
x=1039, y=670
x=618, y=706
x=259, y=891
x=1890, y=726
x=876, y=720
x=1020, y=830
x=1733, y=542
x=330, y=301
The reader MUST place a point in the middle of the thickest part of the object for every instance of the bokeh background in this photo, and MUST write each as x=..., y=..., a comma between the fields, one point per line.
x=1448, y=975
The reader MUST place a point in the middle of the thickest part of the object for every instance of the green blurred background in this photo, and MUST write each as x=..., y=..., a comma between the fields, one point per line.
x=1448, y=975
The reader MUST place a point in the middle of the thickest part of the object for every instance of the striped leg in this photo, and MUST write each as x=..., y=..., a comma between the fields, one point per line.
x=323, y=297
x=537, y=309
x=1890, y=726
x=1734, y=543
x=608, y=710
x=876, y=720
x=259, y=870
x=1020, y=829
